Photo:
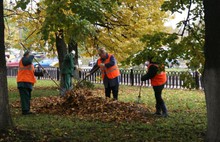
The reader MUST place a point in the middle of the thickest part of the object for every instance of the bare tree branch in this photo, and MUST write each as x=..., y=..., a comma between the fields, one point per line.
x=186, y=22
x=30, y=34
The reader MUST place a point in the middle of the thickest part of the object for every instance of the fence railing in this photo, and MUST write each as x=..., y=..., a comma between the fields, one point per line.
x=128, y=77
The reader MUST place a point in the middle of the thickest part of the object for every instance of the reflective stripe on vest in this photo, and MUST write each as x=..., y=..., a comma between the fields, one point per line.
x=25, y=67
x=111, y=72
x=159, y=78
x=26, y=73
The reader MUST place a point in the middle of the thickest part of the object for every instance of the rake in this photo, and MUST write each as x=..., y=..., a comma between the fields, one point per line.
x=138, y=100
x=79, y=82
x=45, y=71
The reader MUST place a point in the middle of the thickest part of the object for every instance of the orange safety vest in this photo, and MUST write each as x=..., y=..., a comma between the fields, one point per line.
x=26, y=73
x=111, y=72
x=159, y=78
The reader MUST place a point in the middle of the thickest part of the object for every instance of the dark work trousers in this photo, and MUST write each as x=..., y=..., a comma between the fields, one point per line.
x=160, y=105
x=67, y=84
x=25, y=97
x=113, y=89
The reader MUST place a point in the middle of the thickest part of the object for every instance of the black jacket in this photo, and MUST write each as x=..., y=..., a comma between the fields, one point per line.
x=152, y=71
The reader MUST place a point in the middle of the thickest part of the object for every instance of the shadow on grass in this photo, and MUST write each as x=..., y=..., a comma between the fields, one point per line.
x=16, y=134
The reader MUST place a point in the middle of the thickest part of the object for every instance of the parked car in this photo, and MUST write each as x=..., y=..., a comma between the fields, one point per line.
x=14, y=52
x=79, y=62
x=172, y=63
x=9, y=56
x=39, y=55
x=13, y=62
x=56, y=63
x=46, y=62
x=92, y=63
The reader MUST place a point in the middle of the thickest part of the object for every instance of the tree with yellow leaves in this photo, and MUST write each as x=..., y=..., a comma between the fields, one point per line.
x=116, y=25
x=126, y=25
x=89, y=24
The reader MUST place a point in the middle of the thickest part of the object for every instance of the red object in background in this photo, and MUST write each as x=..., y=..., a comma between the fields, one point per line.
x=13, y=62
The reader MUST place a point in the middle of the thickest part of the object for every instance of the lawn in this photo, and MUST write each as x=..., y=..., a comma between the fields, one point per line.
x=187, y=121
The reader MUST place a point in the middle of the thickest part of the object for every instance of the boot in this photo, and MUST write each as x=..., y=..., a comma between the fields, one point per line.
x=158, y=110
x=164, y=110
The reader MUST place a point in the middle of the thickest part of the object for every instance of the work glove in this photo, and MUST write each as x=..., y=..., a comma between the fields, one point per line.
x=143, y=78
x=88, y=74
x=102, y=64
x=79, y=69
x=76, y=67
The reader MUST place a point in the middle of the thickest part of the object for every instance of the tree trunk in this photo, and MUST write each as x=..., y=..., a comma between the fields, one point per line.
x=5, y=117
x=61, y=50
x=212, y=68
x=74, y=46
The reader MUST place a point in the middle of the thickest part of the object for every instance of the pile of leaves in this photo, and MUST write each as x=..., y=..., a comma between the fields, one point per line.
x=86, y=105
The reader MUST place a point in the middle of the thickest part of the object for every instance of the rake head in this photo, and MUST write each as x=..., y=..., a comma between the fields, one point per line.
x=138, y=100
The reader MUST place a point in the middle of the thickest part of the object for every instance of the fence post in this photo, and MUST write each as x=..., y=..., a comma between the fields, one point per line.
x=80, y=74
x=132, y=77
x=58, y=74
x=38, y=69
x=197, y=79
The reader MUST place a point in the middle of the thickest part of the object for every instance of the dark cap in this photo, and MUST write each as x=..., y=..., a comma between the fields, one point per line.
x=26, y=53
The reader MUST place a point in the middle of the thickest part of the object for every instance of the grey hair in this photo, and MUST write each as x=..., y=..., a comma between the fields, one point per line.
x=102, y=50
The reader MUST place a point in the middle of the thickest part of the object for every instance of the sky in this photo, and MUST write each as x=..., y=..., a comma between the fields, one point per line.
x=177, y=17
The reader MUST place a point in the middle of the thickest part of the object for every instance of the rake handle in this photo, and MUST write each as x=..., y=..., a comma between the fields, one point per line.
x=139, y=96
x=43, y=68
x=78, y=83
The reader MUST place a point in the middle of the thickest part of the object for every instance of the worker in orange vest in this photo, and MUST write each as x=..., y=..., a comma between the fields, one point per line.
x=110, y=72
x=158, y=79
x=25, y=81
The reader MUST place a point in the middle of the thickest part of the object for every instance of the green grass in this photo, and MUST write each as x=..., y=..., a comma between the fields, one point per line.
x=187, y=121
x=176, y=69
x=41, y=88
